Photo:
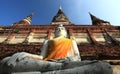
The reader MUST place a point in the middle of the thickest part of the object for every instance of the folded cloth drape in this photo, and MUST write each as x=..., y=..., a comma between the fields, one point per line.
x=58, y=48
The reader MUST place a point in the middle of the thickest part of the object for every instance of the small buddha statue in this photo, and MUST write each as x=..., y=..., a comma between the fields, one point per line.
x=59, y=55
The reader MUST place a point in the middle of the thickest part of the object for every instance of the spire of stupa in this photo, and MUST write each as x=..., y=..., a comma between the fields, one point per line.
x=97, y=21
x=60, y=7
x=26, y=21
x=60, y=18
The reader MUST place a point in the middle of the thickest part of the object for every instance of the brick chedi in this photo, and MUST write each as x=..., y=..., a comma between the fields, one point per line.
x=100, y=40
x=60, y=18
x=25, y=21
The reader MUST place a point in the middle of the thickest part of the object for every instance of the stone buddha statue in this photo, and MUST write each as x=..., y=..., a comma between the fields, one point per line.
x=59, y=55
x=60, y=47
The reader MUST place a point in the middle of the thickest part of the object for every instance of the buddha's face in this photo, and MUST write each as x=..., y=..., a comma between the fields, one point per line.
x=60, y=31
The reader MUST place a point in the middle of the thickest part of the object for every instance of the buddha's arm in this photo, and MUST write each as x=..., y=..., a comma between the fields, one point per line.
x=75, y=49
x=32, y=56
x=43, y=52
x=44, y=49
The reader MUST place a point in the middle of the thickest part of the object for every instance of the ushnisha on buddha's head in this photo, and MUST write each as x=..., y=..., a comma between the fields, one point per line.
x=60, y=31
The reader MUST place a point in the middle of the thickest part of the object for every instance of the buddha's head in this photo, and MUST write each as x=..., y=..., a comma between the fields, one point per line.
x=60, y=31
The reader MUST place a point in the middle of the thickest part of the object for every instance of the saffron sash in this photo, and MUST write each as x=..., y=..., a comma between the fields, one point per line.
x=58, y=48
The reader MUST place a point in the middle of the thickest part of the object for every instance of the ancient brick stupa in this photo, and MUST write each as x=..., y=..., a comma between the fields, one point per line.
x=100, y=40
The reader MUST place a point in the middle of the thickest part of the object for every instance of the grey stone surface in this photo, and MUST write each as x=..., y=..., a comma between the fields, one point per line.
x=26, y=73
x=31, y=66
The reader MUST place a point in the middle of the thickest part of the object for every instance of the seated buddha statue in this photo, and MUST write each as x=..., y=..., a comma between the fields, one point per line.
x=60, y=47
x=59, y=55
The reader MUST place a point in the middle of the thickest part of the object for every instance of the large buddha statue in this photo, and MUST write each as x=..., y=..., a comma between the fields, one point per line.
x=59, y=55
x=60, y=47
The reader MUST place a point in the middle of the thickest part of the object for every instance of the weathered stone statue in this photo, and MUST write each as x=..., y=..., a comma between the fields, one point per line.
x=58, y=56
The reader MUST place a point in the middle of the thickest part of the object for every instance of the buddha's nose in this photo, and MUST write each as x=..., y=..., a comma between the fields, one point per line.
x=59, y=29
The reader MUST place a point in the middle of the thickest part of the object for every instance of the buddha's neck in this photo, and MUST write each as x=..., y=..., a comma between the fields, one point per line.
x=61, y=36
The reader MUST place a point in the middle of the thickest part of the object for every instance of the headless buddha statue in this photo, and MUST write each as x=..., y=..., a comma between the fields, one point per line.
x=58, y=56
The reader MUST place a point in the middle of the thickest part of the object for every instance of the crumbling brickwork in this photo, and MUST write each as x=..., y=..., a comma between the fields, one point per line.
x=87, y=51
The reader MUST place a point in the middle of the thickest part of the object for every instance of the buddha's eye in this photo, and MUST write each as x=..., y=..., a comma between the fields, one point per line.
x=57, y=29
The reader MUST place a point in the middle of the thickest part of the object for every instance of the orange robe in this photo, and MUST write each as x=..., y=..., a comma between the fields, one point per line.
x=58, y=48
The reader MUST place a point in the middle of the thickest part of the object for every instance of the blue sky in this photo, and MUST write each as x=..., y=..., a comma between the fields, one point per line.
x=44, y=10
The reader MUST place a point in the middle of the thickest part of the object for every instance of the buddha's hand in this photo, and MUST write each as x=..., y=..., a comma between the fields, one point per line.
x=62, y=60
x=52, y=60
x=35, y=57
